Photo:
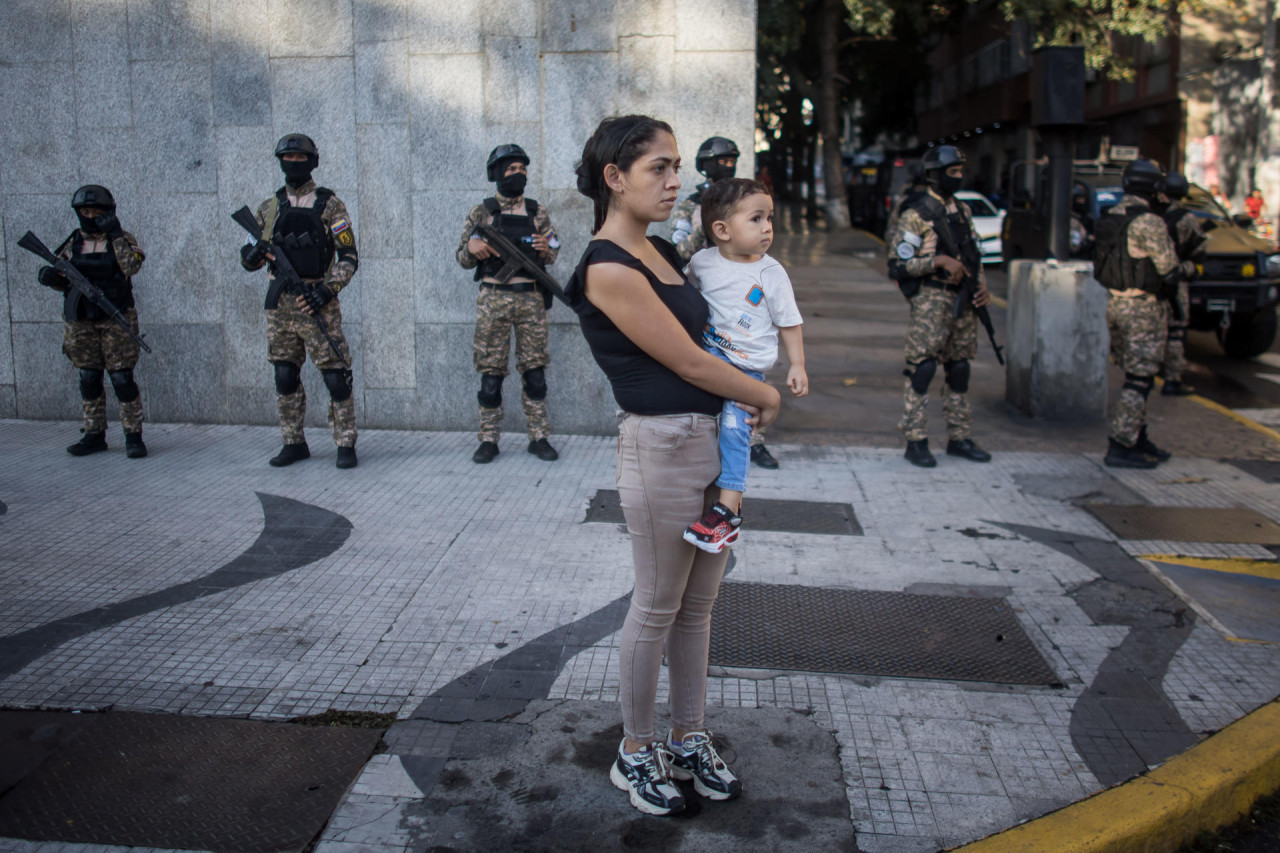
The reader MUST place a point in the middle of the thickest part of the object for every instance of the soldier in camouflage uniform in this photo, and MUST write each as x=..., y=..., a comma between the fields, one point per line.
x=311, y=224
x=516, y=304
x=109, y=257
x=1135, y=259
x=1188, y=239
x=932, y=249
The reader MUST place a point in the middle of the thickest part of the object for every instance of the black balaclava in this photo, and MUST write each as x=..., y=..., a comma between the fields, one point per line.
x=948, y=184
x=512, y=186
x=88, y=224
x=297, y=172
x=717, y=172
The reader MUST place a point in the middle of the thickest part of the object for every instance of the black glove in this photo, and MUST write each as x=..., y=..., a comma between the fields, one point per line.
x=50, y=277
x=317, y=297
x=108, y=224
x=252, y=256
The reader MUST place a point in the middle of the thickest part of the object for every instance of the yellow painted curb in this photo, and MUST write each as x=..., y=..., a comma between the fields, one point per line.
x=878, y=239
x=1208, y=786
x=1268, y=569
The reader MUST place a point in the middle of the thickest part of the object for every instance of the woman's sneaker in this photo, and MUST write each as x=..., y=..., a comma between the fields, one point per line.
x=696, y=758
x=646, y=777
x=715, y=530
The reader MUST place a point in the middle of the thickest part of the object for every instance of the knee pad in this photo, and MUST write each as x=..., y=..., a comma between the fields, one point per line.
x=90, y=384
x=126, y=389
x=957, y=375
x=490, y=395
x=339, y=381
x=922, y=375
x=1141, y=384
x=288, y=377
x=535, y=384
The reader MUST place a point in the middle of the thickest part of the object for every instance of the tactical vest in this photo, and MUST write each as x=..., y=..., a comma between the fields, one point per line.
x=102, y=270
x=962, y=245
x=518, y=229
x=1113, y=265
x=1194, y=241
x=301, y=232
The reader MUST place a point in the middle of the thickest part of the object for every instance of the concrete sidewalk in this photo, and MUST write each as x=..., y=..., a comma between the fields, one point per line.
x=480, y=605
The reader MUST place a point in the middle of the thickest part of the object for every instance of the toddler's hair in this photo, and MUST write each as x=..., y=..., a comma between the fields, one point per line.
x=721, y=199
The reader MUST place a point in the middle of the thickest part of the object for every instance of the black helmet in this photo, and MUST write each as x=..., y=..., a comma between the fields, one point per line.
x=711, y=150
x=1176, y=186
x=499, y=156
x=1143, y=177
x=92, y=195
x=297, y=143
x=941, y=157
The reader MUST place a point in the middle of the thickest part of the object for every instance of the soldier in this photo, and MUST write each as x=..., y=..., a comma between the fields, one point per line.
x=717, y=160
x=932, y=250
x=515, y=304
x=310, y=224
x=1188, y=239
x=109, y=257
x=1136, y=261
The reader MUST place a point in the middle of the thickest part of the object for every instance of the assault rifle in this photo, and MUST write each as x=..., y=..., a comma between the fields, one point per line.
x=968, y=285
x=80, y=284
x=515, y=260
x=287, y=278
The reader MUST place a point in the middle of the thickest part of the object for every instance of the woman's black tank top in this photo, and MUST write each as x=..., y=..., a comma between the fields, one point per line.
x=642, y=385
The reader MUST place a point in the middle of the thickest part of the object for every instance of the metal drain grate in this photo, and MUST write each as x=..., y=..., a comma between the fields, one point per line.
x=832, y=519
x=1187, y=524
x=807, y=629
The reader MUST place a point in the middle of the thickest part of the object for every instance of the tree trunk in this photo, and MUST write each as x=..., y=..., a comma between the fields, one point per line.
x=828, y=108
x=1267, y=172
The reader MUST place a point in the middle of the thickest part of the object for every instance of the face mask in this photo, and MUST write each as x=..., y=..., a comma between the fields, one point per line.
x=717, y=172
x=948, y=184
x=512, y=186
x=296, y=172
x=87, y=224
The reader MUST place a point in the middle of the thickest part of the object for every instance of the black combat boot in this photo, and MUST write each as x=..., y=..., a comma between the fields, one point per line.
x=1147, y=446
x=1177, y=388
x=918, y=454
x=543, y=450
x=90, y=442
x=290, y=454
x=133, y=446
x=762, y=457
x=485, y=453
x=347, y=457
x=1119, y=456
x=966, y=449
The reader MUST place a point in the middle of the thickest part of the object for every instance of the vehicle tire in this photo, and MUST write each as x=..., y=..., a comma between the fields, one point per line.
x=1250, y=333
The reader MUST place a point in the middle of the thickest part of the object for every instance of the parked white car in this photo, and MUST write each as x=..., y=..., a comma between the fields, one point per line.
x=988, y=220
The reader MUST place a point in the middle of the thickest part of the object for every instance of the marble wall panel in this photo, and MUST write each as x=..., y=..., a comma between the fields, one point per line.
x=447, y=382
x=317, y=97
x=8, y=399
x=255, y=404
x=646, y=72
x=311, y=27
x=726, y=106
x=511, y=18
x=579, y=89
x=248, y=174
x=448, y=123
x=39, y=151
x=570, y=25
x=572, y=215
x=380, y=20
x=386, y=205
x=185, y=390
x=106, y=157
x=173, y=126
x=22, y=42
x=99, y=29
x=169, y=29
x=48, y=386
x=244, y=326
x=388, y=294
x=382, y=79
x=436, y=27
x=579, y=400
x=50, y=218
x=512, y=79
x=444, y=291
x=723, y=25
x=647, y=18
x=392, y=408
x=6, y=337
x=177, y=283
x=241, y=69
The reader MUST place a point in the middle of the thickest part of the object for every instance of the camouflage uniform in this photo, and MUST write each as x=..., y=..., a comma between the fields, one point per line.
x=933, y=332
x=102, y=345
x=292, y=334
x=686, y=228
x=498, y=312
x=1138, y=321
x=1189, y=232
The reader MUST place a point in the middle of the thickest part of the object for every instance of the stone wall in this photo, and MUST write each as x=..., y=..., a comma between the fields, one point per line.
x=175, y=105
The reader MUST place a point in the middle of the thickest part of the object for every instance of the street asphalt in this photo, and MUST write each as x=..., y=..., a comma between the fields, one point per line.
x=862, y=693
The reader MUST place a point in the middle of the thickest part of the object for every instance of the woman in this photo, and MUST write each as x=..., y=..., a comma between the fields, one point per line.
x=643, y=322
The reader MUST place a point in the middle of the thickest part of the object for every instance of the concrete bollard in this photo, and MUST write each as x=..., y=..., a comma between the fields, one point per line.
x=1058, y=342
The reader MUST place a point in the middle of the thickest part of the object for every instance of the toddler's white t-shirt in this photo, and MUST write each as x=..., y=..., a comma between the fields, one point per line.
x=748, y=302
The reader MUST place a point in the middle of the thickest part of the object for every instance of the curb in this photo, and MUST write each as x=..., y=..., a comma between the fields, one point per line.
x=1208, y=786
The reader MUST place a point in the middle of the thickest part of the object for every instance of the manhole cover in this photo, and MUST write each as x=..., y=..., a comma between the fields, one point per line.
x=1187, y=524
x=833, y=519
x=155, y=780
x=865, y=632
